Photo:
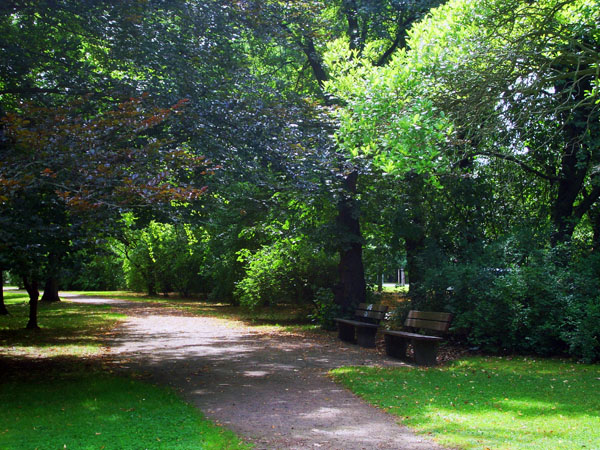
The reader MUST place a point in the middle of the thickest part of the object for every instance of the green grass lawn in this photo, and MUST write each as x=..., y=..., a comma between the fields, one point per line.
x=55, y=394
x=98, y=411
x=67, y=329
x=393, y=288
x=494, y=403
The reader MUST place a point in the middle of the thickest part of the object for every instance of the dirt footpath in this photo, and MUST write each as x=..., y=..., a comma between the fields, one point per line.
x=271, y=389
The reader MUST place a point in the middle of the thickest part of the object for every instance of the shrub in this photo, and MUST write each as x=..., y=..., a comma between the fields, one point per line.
x=165, y=258
x=287, y=271
x=325, y=309
x=542, y=303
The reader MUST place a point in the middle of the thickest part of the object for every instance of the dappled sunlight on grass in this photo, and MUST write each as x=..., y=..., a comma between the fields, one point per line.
x=499, y=403
x=66, y=328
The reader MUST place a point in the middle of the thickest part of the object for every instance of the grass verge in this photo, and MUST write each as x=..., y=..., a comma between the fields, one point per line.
x=493, y=403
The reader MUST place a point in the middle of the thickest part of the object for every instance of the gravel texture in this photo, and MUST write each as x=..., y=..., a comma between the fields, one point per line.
x=271, y=388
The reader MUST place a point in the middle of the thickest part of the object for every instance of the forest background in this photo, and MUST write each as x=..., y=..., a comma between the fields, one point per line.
x=275, y=152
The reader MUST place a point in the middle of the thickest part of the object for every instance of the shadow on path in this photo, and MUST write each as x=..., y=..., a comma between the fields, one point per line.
x=270, y=388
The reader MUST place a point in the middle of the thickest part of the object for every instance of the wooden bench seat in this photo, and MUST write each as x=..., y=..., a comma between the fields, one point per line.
x=424, y=345
x=363, y=329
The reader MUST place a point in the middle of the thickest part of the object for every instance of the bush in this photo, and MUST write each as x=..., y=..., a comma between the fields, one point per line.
x=165, y=258
x=288, y=271
x=581, y=331
x=325, y=309
x=542, y=303
x=100, y=271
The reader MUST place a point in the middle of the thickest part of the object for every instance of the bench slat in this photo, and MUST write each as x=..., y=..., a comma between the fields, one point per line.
x=357, y=323
x=430, y=315
x=427, y=324
x=416, y=336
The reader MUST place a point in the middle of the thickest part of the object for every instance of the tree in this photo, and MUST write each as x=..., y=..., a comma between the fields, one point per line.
x=525, y=91
x=94, y=57
x=482, y=84
x=299, y=37
x=62, y=172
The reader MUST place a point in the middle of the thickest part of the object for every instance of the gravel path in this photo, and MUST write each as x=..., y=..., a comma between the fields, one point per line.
x=270, y=388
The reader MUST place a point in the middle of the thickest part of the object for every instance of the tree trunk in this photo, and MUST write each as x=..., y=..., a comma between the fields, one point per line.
x=31, y=286
x=3, y=310
x=574, y=167
x=51, y=290
x=576, y=160
x=51, y=286
x=352, y=288
x=151, y=285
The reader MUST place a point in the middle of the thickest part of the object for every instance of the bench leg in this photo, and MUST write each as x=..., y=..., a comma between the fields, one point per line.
x=395, y=346
x=366, y=336
x=346, y=332
x=425, y=352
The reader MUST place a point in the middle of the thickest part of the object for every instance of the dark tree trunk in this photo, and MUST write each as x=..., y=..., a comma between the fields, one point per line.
x=51, y=286
x=3, y=310
x=352, y=288
x=31, y=286
x=51, y=290
x=355, y=36
x=314, y=59
x=574, y=167
x=575, y=162
x=151, y=286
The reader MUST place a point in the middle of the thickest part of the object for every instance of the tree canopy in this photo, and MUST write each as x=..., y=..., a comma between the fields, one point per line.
x=263, y=152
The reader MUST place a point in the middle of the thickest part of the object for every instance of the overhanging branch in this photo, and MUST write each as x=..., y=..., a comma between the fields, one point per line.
x=520, y=163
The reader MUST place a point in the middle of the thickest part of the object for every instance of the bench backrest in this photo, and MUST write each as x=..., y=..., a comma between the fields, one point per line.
x=427, y=320
x=370, y=313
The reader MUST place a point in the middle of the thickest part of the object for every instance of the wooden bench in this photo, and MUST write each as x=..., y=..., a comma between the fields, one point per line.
x=424, y=346
x=363, y=329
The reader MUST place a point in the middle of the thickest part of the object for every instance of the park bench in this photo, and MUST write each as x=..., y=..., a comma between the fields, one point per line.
x=363, y=328
x=424, y=345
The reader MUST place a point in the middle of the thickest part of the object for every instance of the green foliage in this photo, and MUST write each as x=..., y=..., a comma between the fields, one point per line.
x=387, y=116
x=165, y=258
x=509, y=301
x=325, y=309
x=489, y=402
x=288, y=271
x=90, y=410
x=88, y=271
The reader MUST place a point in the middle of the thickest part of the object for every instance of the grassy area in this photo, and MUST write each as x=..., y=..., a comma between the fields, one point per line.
x=492, y=403
x=283, y=317
x=97, y=411
x=393, y=288
x=67, y=329
x=54, y=394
